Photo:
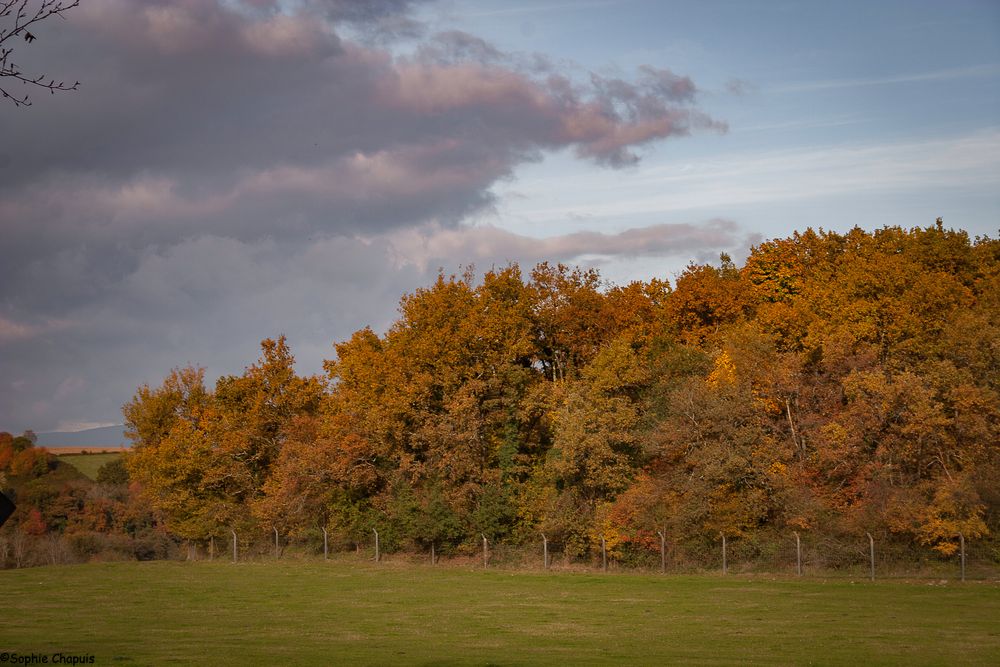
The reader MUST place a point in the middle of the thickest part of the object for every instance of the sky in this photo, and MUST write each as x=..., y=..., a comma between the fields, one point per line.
x=232, y=170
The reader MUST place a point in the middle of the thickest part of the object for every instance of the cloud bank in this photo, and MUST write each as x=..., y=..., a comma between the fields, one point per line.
x=232, y=170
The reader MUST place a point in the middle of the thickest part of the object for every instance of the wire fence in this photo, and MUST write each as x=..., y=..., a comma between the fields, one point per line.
x=805, y=554
x=809, y=555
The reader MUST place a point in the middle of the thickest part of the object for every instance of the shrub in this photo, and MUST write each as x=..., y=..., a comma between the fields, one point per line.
x=30, y=462
x=113, y=473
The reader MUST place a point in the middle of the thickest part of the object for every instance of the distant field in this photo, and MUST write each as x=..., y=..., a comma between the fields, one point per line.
x=349, y=612
x=84, y=449
x=88, y=464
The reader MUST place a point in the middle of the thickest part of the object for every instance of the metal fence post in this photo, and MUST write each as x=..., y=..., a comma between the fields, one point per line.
x=235, y=551
x=663, y=551
x=604, y=554
x=798, y=554
x=486, y=553
x=276, y=551
x=725, y=564
x=871, y=549
x=326, y=550
x=961, y=540
x=545, y=552
x=377, y=554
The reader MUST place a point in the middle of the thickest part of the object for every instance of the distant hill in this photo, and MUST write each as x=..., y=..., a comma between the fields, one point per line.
x=108, y=436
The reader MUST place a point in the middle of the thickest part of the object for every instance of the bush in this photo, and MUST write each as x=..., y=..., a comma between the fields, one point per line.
x=151, y=544
x=85, y=545
x=113, y=473
x=88, y=546
x=30, y=462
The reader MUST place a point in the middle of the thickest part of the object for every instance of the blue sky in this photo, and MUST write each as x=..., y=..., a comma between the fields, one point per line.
x=232, y=170
x=839, y=114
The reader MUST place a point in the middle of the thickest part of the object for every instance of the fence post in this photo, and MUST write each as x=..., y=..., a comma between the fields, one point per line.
x=545, y=552
x=961, y=540
x=235, y=551
x=871, y=550
x=604, y=554
x=486, y=553
x=377, y=554
x=663, y=551
x=798, y=554
x=276, y=551
x=326, y=550
x=725, y=564
x=433, y=558
x=211, y=547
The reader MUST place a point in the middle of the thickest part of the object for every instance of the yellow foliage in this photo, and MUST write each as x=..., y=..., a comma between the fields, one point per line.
x=769, y=405
x=950, y=514
x=604, y=526
x=724, y=372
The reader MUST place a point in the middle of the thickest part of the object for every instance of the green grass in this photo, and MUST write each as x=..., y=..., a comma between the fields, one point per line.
x=88, y=464
x=349, y=612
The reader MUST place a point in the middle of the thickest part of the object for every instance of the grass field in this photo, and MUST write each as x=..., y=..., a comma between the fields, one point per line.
x=347, y=612
x=88, y=464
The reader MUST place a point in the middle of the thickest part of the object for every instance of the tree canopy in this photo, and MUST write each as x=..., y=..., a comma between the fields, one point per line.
x=834, y=383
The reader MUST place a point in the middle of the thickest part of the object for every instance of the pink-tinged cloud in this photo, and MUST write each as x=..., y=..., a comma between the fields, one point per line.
x=196, y=28
x=14, y=330
x=250, y=122
x=434, y=245
x=11, y=331
x=212, y=140
x=604, y=121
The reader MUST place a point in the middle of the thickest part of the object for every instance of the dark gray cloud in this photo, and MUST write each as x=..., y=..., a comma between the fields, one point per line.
x=216, y=174
x=209, y=300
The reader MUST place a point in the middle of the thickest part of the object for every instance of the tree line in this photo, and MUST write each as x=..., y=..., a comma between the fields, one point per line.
x=833, y=385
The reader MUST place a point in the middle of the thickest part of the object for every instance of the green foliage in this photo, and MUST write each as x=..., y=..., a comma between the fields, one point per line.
x=21, y=443
x=113, y=472
x=495, y=514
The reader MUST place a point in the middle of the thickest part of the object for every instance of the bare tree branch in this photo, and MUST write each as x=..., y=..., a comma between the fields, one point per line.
x=16, y=16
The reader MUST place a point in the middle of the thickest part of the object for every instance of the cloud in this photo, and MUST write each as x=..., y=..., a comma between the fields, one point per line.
x=961, y=162
x=740, y=87
x=11, y=331
x=735, y=181
x=210, y=300
x=74, y=426
x=988, y=70
x=198, y=118
x=433, y=245
x=14, y=330
x=207, y=300
x=236, y=169
x=363, y=12
x=538, y=8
